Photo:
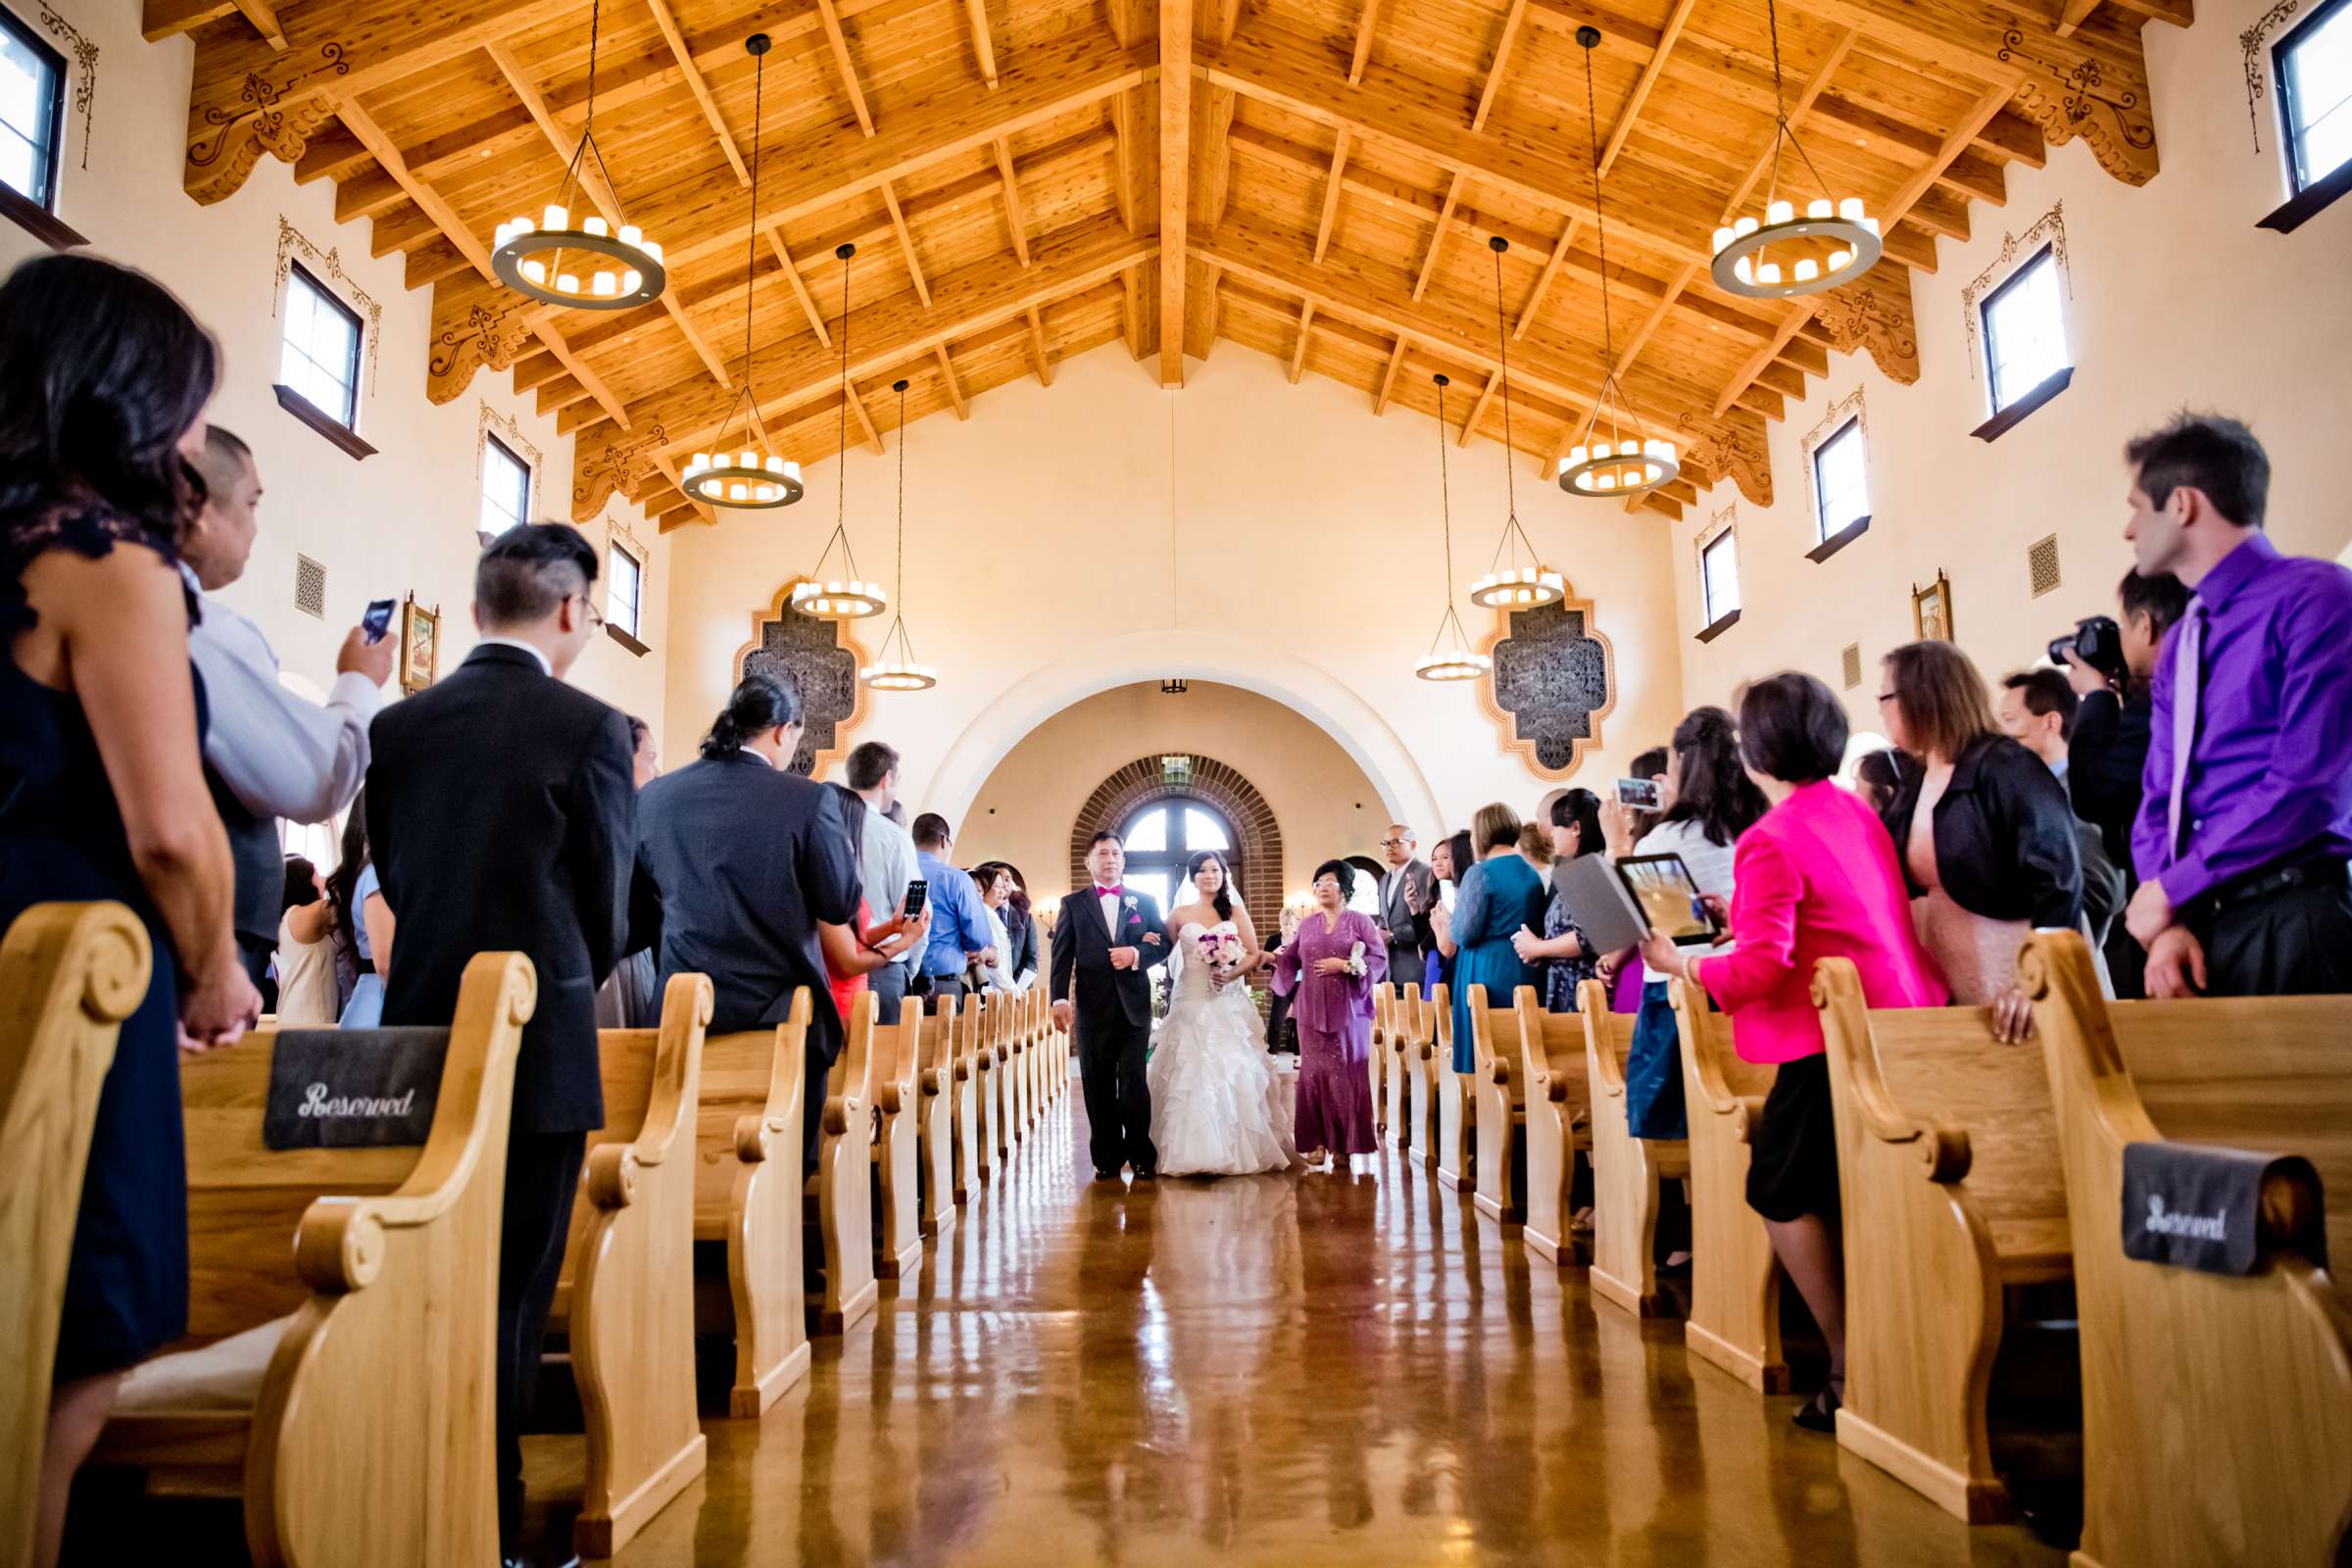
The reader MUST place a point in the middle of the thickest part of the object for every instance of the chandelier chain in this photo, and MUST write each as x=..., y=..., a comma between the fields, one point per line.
x=1502, y=340
x=840, y=440
x=751, y=239
x=899, y=589
x=1601, y=217
x=595, y=12
x=1446, y=511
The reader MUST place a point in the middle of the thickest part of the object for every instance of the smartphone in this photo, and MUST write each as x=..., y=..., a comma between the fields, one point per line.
x=377, y=622
x=1641, y=794
x=916, y=892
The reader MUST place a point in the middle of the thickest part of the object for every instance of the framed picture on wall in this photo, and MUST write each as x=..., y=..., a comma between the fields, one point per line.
x=420, y=645
x=1932, y=611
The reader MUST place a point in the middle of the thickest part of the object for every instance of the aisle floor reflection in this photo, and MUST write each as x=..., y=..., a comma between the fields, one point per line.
x=1286, y=1370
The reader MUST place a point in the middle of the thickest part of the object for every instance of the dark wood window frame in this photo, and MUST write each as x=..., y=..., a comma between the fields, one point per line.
x=358, y=365
x=2010, y=418
x=627, y=636
x=319, y=419
x=530, y=478
x=1830, y=544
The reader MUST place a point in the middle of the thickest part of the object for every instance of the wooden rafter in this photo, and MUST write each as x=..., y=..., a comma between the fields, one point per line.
x=865, y=420
x=1366, y=19
x=1478, y=409
x=1388, y=379
x=1307, y=330
x=1175, y=179
x=1437, y=236
x=1125, y=160
x=897, y=225
x=984, y=47
x=1332, y=186
x=947, y=379
x=1037, y=348
x=1651, y=72
x=1229, y=16
x=264, y=17
x=1131, y=313
x=667, y=21
x=1012, y=200
x=829, y=13
x=1543, y=279
x=800, y=286
x=1502, y=58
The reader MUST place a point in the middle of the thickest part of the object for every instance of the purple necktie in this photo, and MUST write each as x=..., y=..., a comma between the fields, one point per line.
x=2188, y=673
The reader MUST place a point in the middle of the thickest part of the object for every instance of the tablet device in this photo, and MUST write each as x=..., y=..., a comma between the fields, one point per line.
x=1618, y=904
x=1668, y=895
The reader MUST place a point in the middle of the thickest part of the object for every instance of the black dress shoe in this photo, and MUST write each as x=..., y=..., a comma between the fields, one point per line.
x=1143, y=1175
x=526, y=1562
x=1103, y=1175
x=1820, y=1413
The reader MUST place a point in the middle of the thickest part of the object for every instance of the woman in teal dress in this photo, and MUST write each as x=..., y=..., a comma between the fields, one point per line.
x=1497, y=898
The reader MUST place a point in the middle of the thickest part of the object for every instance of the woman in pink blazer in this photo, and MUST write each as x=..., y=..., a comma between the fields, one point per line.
x=1815, y=878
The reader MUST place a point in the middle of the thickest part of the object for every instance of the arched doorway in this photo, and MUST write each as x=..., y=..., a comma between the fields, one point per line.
x=1227, y=804
x=1162, y=835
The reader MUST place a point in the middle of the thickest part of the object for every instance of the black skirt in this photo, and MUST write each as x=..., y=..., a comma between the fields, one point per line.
x=1793, y=1150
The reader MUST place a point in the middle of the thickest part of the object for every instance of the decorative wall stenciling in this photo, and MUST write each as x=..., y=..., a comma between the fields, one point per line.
x=328, y=267
x=2099, y=95
x=2050, y=228
x=1874, y=312
x=1833, y=419
x=510, y=431
x=822, y=659
x=2258, y=69
x=85, y=68
x=1553, y=682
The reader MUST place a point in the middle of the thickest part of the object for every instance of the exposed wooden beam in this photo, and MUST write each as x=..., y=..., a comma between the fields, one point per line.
x=1124, y=160
x=1543, y=279
x=1037, y=348
x=1478, y=409
x=169, y=19
x=1331, y=195
x=865, y=420
x=1131, y=313
x=984, y=48
x=1229, y=16
x=1798, y=314
x=1502, y=56
x=264, y=17
x=898, y=222
x=800, y=286
x=1306, y=329
x=667, y=21
x=1013, y=199
x=1437, y=236
x=829, y=13
x=1650, y=73
x=946, y=379
x=1365, y=21
x=1175, y=179
x=1388, y=379
x=1815, y=85
x=1220, y=133
x=1656, y=318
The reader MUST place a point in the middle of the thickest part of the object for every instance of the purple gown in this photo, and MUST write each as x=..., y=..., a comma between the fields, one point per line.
x=1334, y=1015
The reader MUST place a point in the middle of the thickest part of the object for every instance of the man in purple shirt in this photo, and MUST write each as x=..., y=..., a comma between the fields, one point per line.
x=2245, y=819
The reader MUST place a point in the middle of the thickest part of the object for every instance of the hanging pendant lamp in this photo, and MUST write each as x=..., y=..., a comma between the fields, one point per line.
x=1522, y=581
x=846, y=597
x=743, y=473
x=1830, y=244
x=1455, y=660
x=1622, y=458
x=900, y=673
x=543, y=258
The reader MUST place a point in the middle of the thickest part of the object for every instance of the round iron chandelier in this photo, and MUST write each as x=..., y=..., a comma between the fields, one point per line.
x=1523, y=581
x=849, y=596
x=1455, y=660
x=899, y=673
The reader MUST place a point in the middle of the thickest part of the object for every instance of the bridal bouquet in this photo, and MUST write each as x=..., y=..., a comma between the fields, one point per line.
x=1221, y=952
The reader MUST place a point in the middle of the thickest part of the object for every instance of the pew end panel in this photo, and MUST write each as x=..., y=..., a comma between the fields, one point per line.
x=1405, y=1026
x=1735, y=1321
x=2217, y=1410
x=748, y=1142
x=1384, y=1028
x=1452, y=1112
x=936, y=1124
x=1626, y=1171
x=898, y=1075
x=841, y=1188
x=1551, y=1057
x=970, y=1171
x=986, y=1074
x=1499, y=1108
x=69, y=974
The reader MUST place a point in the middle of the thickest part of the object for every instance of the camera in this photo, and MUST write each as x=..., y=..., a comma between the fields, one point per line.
x=2097, y=641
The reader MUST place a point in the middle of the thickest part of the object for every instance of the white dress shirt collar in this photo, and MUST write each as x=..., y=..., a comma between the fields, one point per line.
x=547, y=665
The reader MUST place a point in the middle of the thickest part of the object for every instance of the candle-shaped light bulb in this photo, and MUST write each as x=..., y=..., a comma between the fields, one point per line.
x=1780, y=212
x=1850, y=209
x=594, y=227
x=555, y=217
x=631, y=234
x=1820, y=207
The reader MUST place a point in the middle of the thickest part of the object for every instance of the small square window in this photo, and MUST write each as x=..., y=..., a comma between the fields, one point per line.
x=321, y=359
x=2025, y=331
x=505, y=488
x=2314, y=67
x=33, y=103
x=626, y=580
x=1719, y=576
x=1840, y=486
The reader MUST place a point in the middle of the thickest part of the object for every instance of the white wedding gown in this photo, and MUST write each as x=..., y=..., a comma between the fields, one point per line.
x=1217, y=1105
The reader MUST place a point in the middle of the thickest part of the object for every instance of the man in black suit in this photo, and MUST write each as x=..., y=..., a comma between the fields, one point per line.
x=1104, y=945
x=1406, y=897
x=738, y=858
x=501, y=813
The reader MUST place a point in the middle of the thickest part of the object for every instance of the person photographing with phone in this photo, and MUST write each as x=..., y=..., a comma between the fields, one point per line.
x=270, y=752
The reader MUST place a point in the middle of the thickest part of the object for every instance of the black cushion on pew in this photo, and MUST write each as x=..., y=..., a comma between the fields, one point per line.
x=2215, y=1209
x=353, y=1089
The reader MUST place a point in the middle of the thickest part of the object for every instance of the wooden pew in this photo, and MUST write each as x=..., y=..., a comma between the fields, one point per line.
x=1734, y=1318
x=1551, y=1053
x=2217, y=1411
x=1010, y=1132
x=971, y=1168
x=1497, y=1090
x=69, y=974
x=1405, y=1019
x=344, y=1387
x=1425, y=1065
x=899, y=1105
x=840, y=1192
x=625, y=1296
x=1384, y=1025
x=1452, y=1099
x=935, y=1126
x=748, y=1146
x=1952, y=1188
x=1626, y=1171
x=989, y=1015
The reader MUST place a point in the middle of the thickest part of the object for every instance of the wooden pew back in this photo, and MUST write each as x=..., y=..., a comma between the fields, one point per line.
x=971, y=1165
x=1453, y=1118
x=748, y=1145
x=842, y=1186
x=1734, y=1317
x=1499, y=1108
x=898, y=1074
x=1626, y=1171
x=1384, y=1022
x=1405, y=1019
x=1552, y=1061
x=936, y=1119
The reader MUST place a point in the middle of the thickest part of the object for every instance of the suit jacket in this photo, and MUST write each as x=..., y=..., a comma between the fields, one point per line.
x=737, y=862
x=1410, y=936
x=2103, y=766
x=500, y=810
x=1082, y=946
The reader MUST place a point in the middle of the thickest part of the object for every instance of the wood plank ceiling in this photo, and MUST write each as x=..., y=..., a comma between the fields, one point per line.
x=1027, y=179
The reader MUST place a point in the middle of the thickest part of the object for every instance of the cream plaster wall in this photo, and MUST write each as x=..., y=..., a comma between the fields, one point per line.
x=1304, y=567
x=2178, y=299
x=1321, y=799
x=398, y=520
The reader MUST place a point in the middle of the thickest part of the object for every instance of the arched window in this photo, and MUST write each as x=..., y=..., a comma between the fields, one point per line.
x=1163, y=835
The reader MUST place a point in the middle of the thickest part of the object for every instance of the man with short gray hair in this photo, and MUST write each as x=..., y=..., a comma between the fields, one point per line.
x=1406, y=896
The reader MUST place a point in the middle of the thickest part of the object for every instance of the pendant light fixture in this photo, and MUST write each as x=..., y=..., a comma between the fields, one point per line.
x=1455, y=660
x=1830, y=244
x=846, y=597
x=902, y=673
x=1521, y=581
x=544, y=258
x=1621, y=458
x=744, y=474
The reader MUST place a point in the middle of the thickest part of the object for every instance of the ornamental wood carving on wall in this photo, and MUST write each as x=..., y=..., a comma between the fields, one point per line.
x=1555, y=680
x=1874, y=313
x=822, y=659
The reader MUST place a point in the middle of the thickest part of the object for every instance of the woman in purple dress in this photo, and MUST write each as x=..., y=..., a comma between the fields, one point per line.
x=1332, y=967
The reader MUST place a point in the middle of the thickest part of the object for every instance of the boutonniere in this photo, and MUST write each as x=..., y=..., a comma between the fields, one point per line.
x=1131, y=902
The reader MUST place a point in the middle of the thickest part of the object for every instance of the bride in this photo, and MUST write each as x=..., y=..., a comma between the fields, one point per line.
x=1216, y=1096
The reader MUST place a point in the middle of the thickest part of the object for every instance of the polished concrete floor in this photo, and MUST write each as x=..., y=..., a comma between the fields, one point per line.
x=1286, y=1370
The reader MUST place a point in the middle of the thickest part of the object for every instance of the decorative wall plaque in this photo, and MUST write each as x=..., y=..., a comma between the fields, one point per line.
x=822, y=659
x=327, y=264
x=1553, y=682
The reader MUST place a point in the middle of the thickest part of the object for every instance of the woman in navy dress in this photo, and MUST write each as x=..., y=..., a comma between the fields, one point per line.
x=1499, y=897
x=103, y=381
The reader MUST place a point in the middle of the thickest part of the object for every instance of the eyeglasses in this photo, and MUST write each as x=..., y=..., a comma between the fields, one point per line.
x=594, y=616
x=1886, y=697
x=1394, y=844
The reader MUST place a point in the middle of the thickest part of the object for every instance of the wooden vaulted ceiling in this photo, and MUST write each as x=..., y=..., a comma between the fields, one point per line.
x=1026, y=179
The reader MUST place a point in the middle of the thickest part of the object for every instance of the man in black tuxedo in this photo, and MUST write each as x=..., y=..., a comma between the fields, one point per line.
x=501, y=815
x=1104, y=946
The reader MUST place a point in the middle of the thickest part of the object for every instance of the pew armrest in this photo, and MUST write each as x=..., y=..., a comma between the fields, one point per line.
x=613, y=1175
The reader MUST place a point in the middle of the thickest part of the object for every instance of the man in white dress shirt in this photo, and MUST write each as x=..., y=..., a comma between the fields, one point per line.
x=887, y=853
x=267, y=752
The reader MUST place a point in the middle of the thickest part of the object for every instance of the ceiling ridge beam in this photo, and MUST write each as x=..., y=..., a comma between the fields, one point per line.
x=1175, y=179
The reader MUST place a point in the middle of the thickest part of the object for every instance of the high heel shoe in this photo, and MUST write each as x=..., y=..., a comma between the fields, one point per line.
x=1820, y=1413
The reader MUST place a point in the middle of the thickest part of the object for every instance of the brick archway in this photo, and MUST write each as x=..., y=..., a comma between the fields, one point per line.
x=1257, y=837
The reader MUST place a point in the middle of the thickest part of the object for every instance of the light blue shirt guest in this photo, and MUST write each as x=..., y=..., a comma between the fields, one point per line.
x=958, y=920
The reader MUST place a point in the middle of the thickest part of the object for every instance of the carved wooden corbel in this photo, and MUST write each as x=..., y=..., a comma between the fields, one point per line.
x=1874, y=313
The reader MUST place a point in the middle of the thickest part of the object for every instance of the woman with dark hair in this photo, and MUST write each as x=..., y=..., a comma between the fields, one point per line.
x=1986, y=835
x=1498, y=897
x=854, y=948
x=1020, y=930
x=1215, y=1099
x=1656, y=765
x=365, y=920
x=1879, y=776
x=103, y=382
x=308, y=997
x=1329, y=973
x=992, y=880
x=1816, y=877
x=1567, y=958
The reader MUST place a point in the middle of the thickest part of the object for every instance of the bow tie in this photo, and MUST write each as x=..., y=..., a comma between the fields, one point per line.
x=1101, y=892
